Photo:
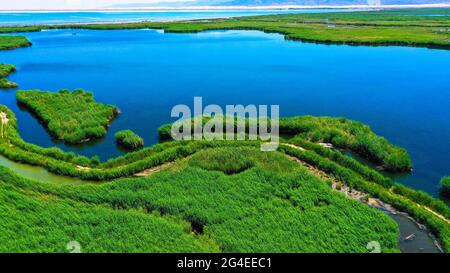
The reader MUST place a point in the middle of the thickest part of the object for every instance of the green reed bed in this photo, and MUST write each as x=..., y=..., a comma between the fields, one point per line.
x=5, y=71
x=73, y=117
x=13, y=42
x=129, y=140
x=273, y=206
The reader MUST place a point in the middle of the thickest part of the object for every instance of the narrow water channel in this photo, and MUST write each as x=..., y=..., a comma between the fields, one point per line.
x=38, y=173
x=413, y=237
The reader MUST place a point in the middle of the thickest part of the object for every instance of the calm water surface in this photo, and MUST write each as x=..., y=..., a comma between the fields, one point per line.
x=402, y=93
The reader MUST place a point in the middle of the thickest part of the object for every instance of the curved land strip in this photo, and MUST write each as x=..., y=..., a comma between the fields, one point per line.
x=414, y=27
x=274, y=206
x=222, y=157
x=343, y=133
x=5, y=71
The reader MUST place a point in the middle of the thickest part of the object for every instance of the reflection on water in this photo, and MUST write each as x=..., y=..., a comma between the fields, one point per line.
x=38, y=173
x=413, y=238
x=402, y=93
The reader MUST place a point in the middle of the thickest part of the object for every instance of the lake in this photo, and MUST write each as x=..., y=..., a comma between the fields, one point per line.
x=32, y=18
x=403, y=93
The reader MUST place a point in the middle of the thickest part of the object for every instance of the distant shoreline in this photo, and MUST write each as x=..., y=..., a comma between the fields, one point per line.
x=232, y=8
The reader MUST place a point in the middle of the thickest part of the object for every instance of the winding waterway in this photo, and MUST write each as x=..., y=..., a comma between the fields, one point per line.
x=403, y=93
x=38, y=173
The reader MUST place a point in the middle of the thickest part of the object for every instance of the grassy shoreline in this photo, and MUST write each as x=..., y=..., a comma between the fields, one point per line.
x=375, y=28
x=343, y=168
x=275, y=206
x=5, y=71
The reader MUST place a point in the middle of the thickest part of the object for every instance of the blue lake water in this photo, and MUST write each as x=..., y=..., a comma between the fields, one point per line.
x=403, y=93
x=32, y=18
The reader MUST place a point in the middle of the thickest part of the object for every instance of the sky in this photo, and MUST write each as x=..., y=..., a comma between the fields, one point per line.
x=76, y=4
x=95, y=4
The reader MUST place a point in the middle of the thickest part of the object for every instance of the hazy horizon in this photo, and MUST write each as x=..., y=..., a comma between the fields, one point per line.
x=128, y=4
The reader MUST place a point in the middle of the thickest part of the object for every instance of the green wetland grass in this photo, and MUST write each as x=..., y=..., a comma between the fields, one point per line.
x=341, y=132
x=41, y=221
x=129, y=140
x=13, y=42
x=217, y=196
x=275, y=206
x=445, y=188
x=237, y=170
x=5, y=71
x=73, y=117
x=7, y=84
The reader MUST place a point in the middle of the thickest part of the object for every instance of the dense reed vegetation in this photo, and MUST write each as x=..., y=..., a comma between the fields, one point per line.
x=69, y=164
x=129, y=140
x=233, y=160
x=10, y=42
x=6, y=84
x=5, y=71
x=372, y=175
x=228, y=161
x=445, y=188
x=218, y=195
x=13, y=42
x=275, y=206
x=405, y=203
x=72, y=117
x=341, y=132
x=347, y=134
x=41, y=221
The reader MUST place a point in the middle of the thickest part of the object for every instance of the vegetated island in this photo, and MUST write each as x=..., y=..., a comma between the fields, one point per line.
x=7, y=43
x=73, y=117
x=129, y=140
x=13, y=42
x=5, y=71
x=406, y=27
